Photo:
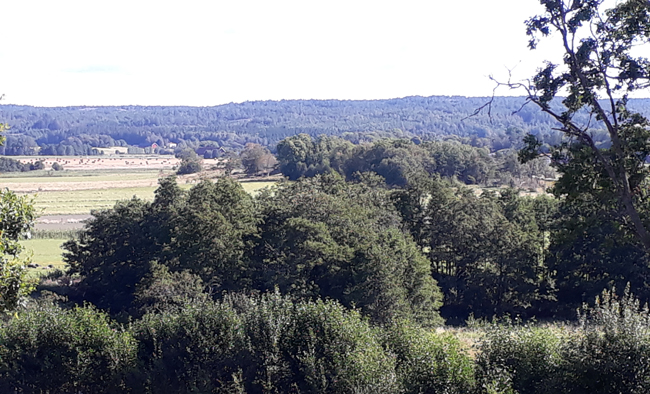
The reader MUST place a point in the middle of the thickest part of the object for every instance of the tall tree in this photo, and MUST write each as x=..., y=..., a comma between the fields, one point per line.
x=324, y=237
x=600, y=68
x=256, y=158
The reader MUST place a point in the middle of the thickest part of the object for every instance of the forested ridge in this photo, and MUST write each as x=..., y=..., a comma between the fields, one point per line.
x=76, y=130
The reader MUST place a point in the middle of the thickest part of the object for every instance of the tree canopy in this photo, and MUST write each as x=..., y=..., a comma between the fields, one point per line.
x=600, y=69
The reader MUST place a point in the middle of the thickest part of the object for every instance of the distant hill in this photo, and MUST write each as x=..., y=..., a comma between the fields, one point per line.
x=76, y=130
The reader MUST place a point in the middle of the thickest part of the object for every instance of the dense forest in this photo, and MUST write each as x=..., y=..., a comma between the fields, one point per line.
x=76, y=130
x=399, y=160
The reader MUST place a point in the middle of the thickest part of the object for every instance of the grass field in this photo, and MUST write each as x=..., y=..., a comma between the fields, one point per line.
x=254, y=187
x=83, y=201
x=45, y=251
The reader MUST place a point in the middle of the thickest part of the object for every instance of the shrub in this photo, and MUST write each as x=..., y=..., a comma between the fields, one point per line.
x=518, y=359
x=428, y=362
x=266, y=344
x=196, y=350
x=64, y=351
x=613, y=353
x=189, y=167
x=165, y=291
x=332, y=350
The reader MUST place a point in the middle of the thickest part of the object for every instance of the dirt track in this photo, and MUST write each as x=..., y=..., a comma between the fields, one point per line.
x=61, y=222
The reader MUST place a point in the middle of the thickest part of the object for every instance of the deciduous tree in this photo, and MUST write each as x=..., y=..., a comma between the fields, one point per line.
x=601, y=67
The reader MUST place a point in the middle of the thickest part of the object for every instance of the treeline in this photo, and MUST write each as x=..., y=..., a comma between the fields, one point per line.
x=398, y=160
x=11, y=165
x=76, y=130
x=390, y=252
x=318, y=238
x=271, y=343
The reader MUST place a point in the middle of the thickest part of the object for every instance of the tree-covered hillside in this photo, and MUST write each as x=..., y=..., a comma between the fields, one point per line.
x=76, y=130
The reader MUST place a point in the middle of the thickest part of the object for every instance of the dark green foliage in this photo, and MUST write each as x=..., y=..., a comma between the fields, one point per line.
x=164, y=291
x=275, y=344
x=10, y=165
x=265, y=344
x=211, y=232
x=196, y=349
x=589, y=251
x=17, y=215
x=609, y=352
x=315, y=238
x=37, y=165
x=613, y=354
x=80, y=129
x=487, y=252
x=519, y=359
x=255, y=158
x=190, y=162
x=189, y=166
x=323, y=237
x=396, y=160
x=600, y=68
x=113, y=253
x=203, y=231
x=64, y=351
x=461, y=161
x=428, y=362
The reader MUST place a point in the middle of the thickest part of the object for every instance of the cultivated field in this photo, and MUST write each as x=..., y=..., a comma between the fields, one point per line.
x=64, y=199
x=117, y=162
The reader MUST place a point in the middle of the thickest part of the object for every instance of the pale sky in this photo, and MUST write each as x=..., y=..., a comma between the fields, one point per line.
x=98, y=52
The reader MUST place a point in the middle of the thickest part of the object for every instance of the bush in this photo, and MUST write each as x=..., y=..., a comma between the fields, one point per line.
x=64, y=351
x=428, y=362
x=196, y=350
x=57, y=167
x=518, y=359
x=332, y=350
x=266, y=344
x=613, y=353
x=189, y=167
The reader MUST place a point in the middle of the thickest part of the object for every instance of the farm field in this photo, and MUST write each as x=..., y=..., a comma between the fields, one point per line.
x=71, y=202
x=45, y=252
x=94, y=183
x=122, y=162
x=84, y=201
x=64, y=199
x=68, y=208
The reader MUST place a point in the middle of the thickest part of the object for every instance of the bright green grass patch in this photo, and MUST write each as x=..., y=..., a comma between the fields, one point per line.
x=45, y=251
x=254, y=187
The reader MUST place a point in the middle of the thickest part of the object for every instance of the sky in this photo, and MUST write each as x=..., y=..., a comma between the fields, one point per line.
x=204, y=53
